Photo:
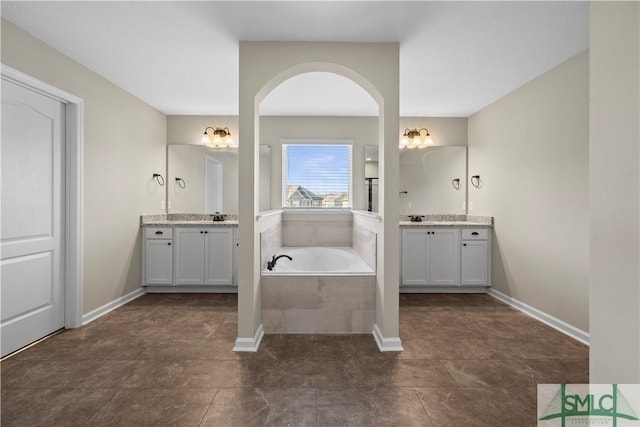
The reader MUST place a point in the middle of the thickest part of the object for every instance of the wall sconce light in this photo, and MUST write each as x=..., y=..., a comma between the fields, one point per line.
x=412, y=138
x=218, y=137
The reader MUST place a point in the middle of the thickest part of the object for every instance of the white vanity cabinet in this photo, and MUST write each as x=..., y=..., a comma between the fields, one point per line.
x=475, y=257
x=158, y=256
x=205, y=256
x=444, y=257
x=430, y=257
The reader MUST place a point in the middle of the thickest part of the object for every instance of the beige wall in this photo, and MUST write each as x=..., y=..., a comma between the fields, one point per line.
x=530, y=149
x=273, y=129
x=615, y=192
x=124, y=144
x=362, y=130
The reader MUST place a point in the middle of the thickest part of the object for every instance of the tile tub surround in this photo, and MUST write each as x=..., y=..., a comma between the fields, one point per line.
x=318, y=304
x=167, y=359
x=365, y=243
x=270, y=244
x=299, y=229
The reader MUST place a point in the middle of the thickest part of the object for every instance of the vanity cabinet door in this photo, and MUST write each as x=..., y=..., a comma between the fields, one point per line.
x=444, y=257
x=430, y=257
x=158, y=262
x=476, y=261
x=415, y=249
x=189, y=256
x=219, y=250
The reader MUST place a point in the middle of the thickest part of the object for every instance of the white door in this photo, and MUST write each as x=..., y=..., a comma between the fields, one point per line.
x=32, y=228
x=213, y=185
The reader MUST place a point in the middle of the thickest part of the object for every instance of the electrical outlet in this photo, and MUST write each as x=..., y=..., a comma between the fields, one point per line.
x=409, y=205
x=162, y=205
x=169, y=205
x=470, y=206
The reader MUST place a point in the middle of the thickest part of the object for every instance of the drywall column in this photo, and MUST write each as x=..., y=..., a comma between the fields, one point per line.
x=375, y=67
x=614, y=189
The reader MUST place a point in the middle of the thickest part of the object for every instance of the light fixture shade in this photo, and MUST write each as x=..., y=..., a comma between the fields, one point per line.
x=217, y=137
x=413, y=138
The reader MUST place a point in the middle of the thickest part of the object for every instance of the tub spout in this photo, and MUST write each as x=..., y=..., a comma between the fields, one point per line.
x=272, y=263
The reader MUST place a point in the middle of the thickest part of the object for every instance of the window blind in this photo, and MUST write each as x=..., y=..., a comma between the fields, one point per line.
x=316, y=176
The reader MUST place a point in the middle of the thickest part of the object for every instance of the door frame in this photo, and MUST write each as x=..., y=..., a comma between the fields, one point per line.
x=73, y=176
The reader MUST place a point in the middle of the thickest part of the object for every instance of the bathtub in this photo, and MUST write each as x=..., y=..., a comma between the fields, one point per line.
x=323, y=290
x=320, y=261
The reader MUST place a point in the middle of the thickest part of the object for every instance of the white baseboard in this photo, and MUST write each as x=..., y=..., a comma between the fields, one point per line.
x=443, y=289
x=191, y=289
x=547, y=319
x=250, y=344
x=386, y=344
x=119, y=302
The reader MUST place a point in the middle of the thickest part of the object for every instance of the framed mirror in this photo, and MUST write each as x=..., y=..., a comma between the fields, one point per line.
x=205, y=180
x=433, y=180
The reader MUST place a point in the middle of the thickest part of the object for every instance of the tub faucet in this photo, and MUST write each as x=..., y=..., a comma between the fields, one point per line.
x=272, y=263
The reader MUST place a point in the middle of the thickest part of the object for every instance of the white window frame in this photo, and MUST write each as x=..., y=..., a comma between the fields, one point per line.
x=286, y=142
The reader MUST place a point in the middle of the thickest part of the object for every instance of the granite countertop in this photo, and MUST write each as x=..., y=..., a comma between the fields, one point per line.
x=198, y=220
x=185, y=223
x=444, y=224
x=466, y=221
x=186, y=220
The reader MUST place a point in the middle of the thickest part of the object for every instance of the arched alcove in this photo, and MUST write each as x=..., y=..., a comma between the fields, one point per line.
x=373, y=66
x=319, y=94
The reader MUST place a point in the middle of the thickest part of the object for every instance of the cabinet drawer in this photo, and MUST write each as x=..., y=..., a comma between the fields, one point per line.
x=475, y=234
x=159, y=233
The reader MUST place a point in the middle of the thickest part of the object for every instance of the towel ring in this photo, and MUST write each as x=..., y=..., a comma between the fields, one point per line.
x=159, y=179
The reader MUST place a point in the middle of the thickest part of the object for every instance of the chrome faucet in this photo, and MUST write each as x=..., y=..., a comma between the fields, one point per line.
x=272, y=263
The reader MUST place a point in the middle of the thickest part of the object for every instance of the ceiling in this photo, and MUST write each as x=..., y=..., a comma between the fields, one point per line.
x=182, y=57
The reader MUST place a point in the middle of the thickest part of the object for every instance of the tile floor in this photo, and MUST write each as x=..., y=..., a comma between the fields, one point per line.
x=166, y=359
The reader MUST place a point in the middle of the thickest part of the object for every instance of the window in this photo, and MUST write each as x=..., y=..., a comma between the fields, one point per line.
x=316, y=175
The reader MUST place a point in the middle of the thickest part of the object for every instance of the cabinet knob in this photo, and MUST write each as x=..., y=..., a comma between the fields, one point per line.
x=169, y=243
x=158, y=232
x=206, y=232
x=464, y=244
x=475, y=233
x=201, y=231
